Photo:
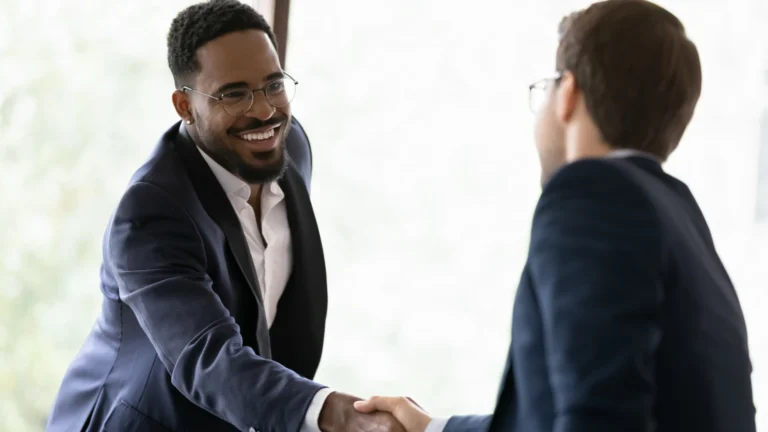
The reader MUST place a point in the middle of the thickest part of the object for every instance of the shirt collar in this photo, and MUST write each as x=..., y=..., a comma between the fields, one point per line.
x=625, y=153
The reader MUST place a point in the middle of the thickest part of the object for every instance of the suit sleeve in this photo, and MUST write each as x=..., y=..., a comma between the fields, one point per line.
x=595, y=259
x=473, y=423
x=159, y=260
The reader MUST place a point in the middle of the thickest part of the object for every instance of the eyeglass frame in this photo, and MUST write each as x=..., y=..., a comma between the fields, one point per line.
x=537, y=85
x=253, y=92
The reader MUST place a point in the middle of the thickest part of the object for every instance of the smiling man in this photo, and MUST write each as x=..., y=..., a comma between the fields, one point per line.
x=213, y=278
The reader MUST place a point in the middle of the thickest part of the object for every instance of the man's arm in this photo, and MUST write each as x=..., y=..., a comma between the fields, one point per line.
x=312, y=418
x=160, y=263
x=595, y=258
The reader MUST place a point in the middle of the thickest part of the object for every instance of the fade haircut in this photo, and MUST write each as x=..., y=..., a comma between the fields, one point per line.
x=203, y=22
x=638, y=71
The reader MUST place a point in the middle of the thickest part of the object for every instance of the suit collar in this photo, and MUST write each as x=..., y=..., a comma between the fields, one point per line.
x=646, y=164
x=640, y=159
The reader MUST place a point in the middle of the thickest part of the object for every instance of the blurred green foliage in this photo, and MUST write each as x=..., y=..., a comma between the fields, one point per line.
x=85, y=93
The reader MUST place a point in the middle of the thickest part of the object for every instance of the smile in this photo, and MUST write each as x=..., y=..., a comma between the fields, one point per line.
x=258, y=136
x=262, y=139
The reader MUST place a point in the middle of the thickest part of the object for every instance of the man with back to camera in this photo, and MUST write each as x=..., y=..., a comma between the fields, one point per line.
x=213, y=276
x=625, y=318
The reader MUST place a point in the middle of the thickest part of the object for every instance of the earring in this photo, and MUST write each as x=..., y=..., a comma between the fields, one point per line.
x=189, y=122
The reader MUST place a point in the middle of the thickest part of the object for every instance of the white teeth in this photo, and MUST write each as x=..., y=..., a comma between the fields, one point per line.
x=258, y=136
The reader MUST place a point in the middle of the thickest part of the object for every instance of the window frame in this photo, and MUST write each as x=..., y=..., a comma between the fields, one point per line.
x=277, y=13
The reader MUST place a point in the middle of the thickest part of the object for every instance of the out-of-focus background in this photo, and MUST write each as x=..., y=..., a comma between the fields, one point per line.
x=424, y=184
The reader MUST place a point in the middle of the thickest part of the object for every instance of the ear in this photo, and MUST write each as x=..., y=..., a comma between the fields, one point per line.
x=183, y=106
x=566, y=97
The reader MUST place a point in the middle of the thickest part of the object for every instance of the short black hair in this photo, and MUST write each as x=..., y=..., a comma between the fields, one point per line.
x=203, y=22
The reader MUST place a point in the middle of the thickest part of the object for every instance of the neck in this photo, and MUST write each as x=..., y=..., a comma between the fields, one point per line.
x=583, y=141
x=255, y=199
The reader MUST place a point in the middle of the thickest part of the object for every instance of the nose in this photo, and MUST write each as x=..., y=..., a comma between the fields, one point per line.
x=261, y=109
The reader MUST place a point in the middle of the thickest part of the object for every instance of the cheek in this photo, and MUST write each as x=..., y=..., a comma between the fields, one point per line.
x=549, y=137
x=217, y=123
x=285, y=112
x=542, y=128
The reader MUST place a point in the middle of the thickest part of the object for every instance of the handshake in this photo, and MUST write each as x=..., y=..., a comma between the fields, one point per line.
x=342, y=412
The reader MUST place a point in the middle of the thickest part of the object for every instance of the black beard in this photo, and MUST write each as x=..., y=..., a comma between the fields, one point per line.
x=270, y=170
x=266, y=173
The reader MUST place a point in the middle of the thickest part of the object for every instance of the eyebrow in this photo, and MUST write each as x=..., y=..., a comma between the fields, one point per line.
x=274, y=76
x=241, y=84
x=230, y=86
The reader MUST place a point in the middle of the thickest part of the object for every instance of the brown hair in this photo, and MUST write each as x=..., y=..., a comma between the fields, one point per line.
x=638, y=71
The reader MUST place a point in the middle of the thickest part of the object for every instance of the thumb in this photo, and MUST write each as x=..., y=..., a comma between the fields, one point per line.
x=376, y=403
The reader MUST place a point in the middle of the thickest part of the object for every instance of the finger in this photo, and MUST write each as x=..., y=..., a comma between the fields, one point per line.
x=377, y=403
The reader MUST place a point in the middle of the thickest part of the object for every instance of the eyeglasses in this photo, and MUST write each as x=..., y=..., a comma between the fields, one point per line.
x=238, y=101
x=537, y=92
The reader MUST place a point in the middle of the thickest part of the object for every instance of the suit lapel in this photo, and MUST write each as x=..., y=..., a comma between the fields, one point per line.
x=298, y=330
x=309, y=263
x=217, y=205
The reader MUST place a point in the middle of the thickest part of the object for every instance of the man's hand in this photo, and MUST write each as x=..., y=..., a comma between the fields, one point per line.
x=339, y=415
x=405, y=410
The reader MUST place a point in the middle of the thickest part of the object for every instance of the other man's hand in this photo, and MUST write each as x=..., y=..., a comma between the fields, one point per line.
x=405, y=410
x=339, y=415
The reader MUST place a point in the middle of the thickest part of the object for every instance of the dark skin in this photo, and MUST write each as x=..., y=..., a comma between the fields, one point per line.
x=339, y=415
x=249, y=58
x=246, y=57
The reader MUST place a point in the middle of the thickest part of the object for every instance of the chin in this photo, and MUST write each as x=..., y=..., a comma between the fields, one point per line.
x=265, y=168
x=271, y=157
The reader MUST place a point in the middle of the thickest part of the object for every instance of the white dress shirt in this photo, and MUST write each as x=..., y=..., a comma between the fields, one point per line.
x=272, y=260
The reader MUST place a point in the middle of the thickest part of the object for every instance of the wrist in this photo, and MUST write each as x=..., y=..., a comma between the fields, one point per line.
x=335, y=411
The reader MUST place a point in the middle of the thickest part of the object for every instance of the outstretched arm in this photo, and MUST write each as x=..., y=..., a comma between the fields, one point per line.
x=160, y=263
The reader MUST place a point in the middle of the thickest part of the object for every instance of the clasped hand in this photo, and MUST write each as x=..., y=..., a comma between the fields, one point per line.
x=404, y=409
x=342, y=412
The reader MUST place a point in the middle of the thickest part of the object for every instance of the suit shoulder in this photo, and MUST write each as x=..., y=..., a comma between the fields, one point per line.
x=161, y=186
x=597, y=190
x=592, y=172
x=164, y=170
x=161, y=164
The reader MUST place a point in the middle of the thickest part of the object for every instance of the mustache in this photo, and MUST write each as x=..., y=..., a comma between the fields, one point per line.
x=256, y=123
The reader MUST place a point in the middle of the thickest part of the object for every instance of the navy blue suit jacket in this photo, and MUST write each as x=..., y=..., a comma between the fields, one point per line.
x=625, y=319
x=181, y=343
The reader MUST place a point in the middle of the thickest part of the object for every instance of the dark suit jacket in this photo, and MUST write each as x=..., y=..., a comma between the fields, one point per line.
x=625, y=319
x=181, y=343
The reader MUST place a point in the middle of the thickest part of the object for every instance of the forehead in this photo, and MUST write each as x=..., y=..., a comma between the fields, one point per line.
x=246, y=56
